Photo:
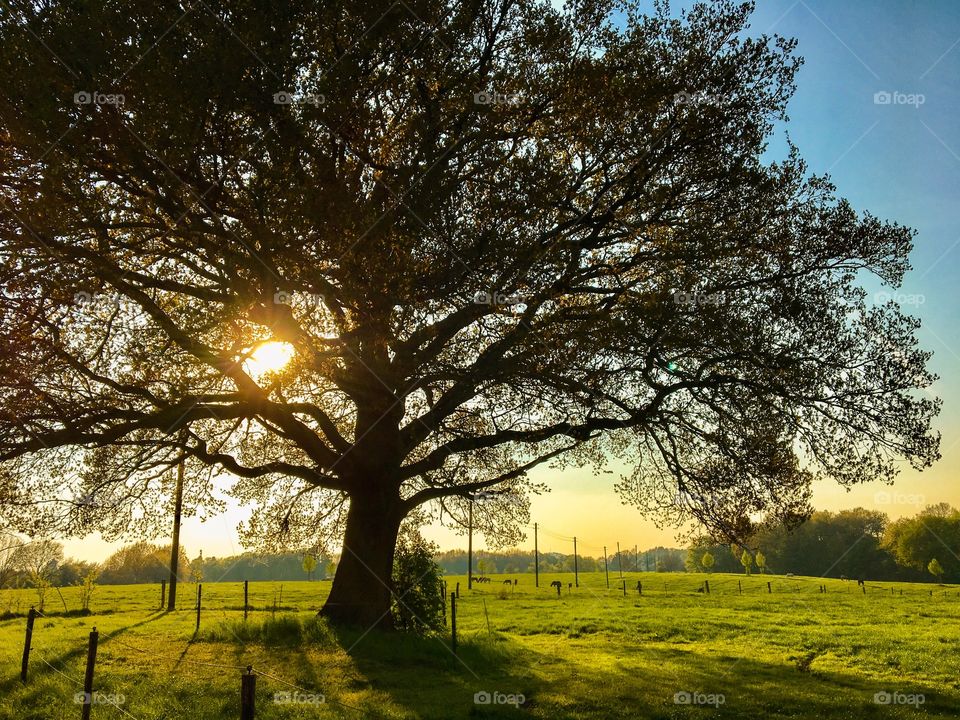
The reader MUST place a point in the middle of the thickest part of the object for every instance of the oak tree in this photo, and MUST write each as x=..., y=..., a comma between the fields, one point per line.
x=473, y=238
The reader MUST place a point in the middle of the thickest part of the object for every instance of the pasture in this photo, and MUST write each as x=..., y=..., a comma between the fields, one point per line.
x=593, y=652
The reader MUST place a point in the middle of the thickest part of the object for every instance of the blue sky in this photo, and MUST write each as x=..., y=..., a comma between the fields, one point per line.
x=900, y=160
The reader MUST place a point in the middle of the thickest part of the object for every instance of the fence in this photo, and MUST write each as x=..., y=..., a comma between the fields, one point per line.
x=642, y=587
x=104, y=647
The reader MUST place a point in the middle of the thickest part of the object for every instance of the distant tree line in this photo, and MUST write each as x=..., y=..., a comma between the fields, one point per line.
x=29, y=563
x=515, y=561
x=855, y=543
x=39, y=562
x=286, y=566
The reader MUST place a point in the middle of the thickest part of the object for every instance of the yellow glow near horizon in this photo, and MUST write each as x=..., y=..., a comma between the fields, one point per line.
x=269, y=357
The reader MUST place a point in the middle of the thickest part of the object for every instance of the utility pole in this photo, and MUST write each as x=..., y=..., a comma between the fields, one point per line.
x=175, y=540
x=576, y=573
x=470, y=545
x=536, y=558
x=606, y=570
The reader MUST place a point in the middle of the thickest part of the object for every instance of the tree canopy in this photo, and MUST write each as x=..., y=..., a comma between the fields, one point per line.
x=492, y=234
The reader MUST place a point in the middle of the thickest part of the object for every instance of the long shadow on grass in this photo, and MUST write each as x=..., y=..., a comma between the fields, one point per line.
x=79, y=650
x=591, y=680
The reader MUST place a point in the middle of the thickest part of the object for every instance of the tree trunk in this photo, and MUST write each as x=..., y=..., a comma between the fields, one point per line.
x=362, y=585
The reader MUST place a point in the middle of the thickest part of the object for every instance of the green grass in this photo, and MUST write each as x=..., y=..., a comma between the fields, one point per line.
x=591, y=653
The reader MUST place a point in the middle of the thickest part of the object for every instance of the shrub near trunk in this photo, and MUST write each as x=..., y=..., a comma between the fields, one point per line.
x=417, y=602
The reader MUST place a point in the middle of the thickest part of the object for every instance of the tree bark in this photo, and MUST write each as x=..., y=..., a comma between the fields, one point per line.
x=363, y=583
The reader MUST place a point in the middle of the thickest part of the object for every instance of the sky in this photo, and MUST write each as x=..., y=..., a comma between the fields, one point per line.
x=876, y=108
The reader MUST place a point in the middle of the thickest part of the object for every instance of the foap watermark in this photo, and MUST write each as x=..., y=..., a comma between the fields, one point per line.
x=885, y=497
x=687, y=498
x=497, y=298
x=308, y=300
x=297, y=697
x=885, y=296
x=497, y=98
x=685, y=697
x=99, y=698
x=697, y=298
x=498, y=698
x=895, y=97
x=92, y=502
x=898, y=698
x=95, y=97
x=696, y=99
x=504, y=496
x=287, y=97
x=84, y=299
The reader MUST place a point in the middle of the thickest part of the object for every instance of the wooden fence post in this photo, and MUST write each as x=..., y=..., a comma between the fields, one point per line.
x=163, y=593
x=246, y=596
x=26, y=643
x=88, y=675
x=453, y=623
x=769, y=589
x=248, y=694
x=740, y=587
x=199, y=594
x=706, y=586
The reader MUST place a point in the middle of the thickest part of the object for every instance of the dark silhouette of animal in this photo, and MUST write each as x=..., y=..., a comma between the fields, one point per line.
x=508, y=582
x=700, y=589
x=556, y=584
x=859, y=581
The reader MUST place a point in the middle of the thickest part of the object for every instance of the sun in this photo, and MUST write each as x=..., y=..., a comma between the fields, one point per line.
x=268, y=357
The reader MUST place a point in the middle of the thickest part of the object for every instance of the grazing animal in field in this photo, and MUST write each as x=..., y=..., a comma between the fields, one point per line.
x=509, y=582
x=700, y=589
x=556, y=584
x=844, y=577
x=859, y=581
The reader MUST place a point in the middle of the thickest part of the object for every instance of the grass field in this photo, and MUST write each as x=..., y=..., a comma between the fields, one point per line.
x=591, y=653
